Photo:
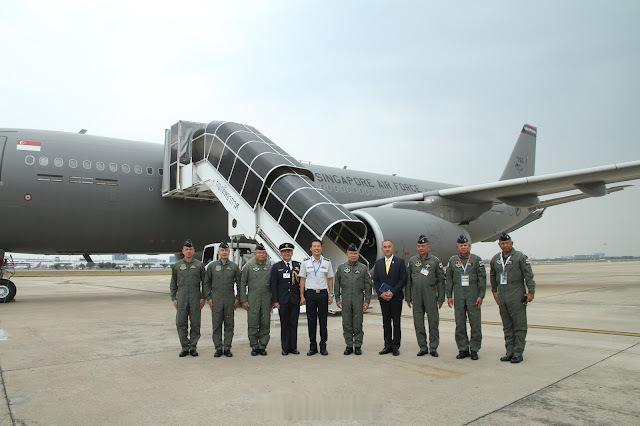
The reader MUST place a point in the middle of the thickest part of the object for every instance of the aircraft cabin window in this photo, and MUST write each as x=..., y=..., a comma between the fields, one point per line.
x=58, y=162
x=137, y=169
x=43, y=161
x=86, y=164
x=126, y=168
x=100, y=166
x=29, y=160
x=149, y=171
x=73, y=163
x=160, y=171
x=113, y=167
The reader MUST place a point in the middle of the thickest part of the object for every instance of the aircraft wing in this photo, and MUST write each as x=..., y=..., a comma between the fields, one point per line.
x=524, y=191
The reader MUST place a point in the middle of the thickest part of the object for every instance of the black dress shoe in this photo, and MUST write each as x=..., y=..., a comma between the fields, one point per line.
x=254, y=352
x=193, y=352
x=263, y=352
x=348, y=350
x=183, y=353
x=422, y=352
x=357, y=350
x=228, y=353
x=434, y=353
x=312, y=352
x=395, y=352
x=218, y=353
x=462, y=355
x=516, y=359
x=474, y=355
x=324, y=352
x=294, y=351
x=506, y=358
x=385, y=351
x=285, y=353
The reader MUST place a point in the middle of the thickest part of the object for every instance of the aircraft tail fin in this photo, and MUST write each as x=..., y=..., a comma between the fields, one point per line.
x=522, y=162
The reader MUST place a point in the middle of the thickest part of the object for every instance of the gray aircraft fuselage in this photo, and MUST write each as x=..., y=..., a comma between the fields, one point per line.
x=89, y=194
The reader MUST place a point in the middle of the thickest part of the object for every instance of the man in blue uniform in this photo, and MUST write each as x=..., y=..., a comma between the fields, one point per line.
x=285, y=296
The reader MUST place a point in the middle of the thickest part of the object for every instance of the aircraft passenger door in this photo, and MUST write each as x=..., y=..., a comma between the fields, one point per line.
x=3, y=146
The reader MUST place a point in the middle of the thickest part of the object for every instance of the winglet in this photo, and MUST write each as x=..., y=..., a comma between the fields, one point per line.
x=522, y=162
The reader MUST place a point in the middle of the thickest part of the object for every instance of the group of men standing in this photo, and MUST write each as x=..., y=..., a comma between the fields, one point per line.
x=423, y=282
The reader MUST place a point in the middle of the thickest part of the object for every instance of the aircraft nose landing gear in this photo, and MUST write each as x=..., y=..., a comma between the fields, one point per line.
x=7, y=287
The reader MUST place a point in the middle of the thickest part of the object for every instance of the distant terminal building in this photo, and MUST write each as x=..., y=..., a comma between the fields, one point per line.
x=594, y=256
x=119, y=257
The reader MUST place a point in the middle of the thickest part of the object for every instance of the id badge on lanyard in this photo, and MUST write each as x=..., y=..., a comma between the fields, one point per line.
x=503, y=274
x=464, y=278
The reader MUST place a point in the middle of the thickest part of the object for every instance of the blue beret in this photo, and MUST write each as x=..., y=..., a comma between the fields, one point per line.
x=462, y=239
x=352, y=247
x=187, y=243
x=422, y=239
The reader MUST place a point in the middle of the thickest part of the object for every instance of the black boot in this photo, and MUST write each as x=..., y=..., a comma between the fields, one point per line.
x=474, y=355
x=348, y=350
x=218, y=353
x=357, y=350
x=462, y=355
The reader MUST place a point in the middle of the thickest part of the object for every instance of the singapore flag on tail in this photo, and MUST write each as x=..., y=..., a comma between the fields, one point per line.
x=29, y=146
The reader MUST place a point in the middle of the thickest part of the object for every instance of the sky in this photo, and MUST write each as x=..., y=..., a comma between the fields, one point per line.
x=431, y=90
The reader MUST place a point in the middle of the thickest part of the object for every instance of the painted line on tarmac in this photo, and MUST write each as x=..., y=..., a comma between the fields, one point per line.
x=549, y=327
x=552, y=384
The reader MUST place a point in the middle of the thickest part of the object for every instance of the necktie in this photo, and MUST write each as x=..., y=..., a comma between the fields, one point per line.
x=288, y=266
x=387, y=264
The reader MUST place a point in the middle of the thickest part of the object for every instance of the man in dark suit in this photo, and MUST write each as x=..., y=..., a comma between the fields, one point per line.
x=285, y=295
x=389, y=277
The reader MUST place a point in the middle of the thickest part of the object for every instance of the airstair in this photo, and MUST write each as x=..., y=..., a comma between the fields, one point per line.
x=270, y=196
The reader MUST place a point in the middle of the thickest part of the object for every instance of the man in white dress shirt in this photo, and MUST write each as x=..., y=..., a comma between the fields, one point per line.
x=316, y=290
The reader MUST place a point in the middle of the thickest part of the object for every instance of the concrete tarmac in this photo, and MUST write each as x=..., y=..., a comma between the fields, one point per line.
x=103, y=350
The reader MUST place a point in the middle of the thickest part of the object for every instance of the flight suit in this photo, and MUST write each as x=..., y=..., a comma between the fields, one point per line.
x=219, y=286
x=255, y=288
x=511, y=296
x=465, y=299
x=425, y=290
x=352, y=287
x=186, y=289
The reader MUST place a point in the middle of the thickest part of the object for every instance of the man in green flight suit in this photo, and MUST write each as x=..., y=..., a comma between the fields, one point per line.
x=187, y=276
x=352, y=291
x=255, y=296
x=425, y=294
x=220, y=283
x=513, y=286
x=466, y=287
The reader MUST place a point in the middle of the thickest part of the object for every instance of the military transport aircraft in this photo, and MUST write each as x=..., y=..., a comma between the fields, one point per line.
x=75, y=193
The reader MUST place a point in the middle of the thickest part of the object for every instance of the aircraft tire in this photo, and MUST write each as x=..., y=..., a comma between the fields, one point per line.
x=7, y=291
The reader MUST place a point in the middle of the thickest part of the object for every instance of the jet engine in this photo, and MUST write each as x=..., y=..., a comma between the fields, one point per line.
x=403, y=227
